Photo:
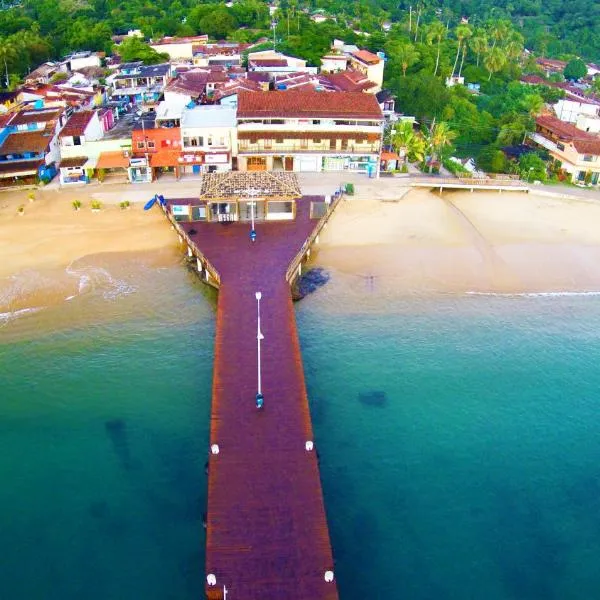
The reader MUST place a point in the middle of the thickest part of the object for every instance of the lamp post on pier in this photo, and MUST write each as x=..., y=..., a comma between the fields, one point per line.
x=259, y=337
x=252, y=193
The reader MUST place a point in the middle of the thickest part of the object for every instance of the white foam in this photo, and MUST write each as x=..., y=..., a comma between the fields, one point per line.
x=5, y=317
x=536, y=294
x=92, y=278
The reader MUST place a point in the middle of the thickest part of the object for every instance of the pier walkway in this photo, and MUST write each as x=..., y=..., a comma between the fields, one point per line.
x=267, y=535
x=470, y=183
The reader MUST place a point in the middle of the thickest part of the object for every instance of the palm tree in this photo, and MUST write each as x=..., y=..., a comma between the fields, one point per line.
x=499, y=31
x=463, y=31
x=494, y=60
x=8, y=54
x=514, y=45
x=407, y=143
x=479, y=45
x=462, y=59
x=435, y=33
x=406, y=55
x=440, y=136
x=533, y=104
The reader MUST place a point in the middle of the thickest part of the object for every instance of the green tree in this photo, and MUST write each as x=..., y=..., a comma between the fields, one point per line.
x=532, y=167
x=479, y=45
x=439, y=136
x=407, y=142
x=575, y=69
x=436, y=33
x=492, y=160
x=463, y=32
x=133, y=49
x=218, y=24
x=494, y=60
x=8, y=56
x=405, y=54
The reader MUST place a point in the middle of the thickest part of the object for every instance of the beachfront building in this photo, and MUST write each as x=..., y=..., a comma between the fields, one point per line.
x=309, y=131
x=25, y=156
x=82, y=126
x=156, y=146
x=577, y=151
x=208, y=139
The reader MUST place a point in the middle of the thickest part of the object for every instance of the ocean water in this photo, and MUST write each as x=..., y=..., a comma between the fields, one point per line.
x=104, y=408
x=458, y=438
x=459, y=444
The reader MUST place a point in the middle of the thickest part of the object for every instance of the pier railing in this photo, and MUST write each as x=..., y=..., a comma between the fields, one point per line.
x=214, y=278
x=292, y=271
x=466, y=182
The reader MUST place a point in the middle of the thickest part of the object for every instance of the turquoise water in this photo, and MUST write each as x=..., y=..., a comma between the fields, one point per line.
x=459, y=444
x=103, y=431
x=458, y=439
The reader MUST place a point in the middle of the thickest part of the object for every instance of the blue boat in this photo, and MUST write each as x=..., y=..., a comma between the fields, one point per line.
x=150, y=203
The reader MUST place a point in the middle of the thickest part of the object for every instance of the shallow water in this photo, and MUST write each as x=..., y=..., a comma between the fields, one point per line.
x=457, y=436
x=459, y=443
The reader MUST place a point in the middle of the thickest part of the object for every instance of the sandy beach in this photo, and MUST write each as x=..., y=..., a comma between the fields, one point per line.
x=458, y=242
x=461, y=242
x=44, y=250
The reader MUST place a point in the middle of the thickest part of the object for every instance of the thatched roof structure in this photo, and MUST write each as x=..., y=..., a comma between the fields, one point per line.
x=243, y=184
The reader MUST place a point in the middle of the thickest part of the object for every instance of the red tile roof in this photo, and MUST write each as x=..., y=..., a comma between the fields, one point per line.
x=20, y=167
x=35, y=116
x=584, y=142
x=268, y=62
x=367, y=57
x=349, y=81
x=308, y=104
x=26, y=141
x=77, y=123
x=75, y=161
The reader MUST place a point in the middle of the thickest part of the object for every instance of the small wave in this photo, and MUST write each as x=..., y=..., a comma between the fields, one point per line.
x=93, y=278
x=5, y=317
x=534, y=294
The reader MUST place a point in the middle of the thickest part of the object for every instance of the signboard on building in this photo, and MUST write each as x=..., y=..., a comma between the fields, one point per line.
x=212, y=159
x=180, y=210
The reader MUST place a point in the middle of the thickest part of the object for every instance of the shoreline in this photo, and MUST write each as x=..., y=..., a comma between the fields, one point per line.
x=482, y=243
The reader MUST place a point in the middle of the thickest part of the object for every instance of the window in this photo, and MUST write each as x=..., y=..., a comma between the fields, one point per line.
x=221, y=141
x=279, y=140
x=141, y=145
x=151, y=145
x=304, y=144
x=560, y=146
x=268, y=144
x=316, y=140
x=588, y=158
x=76, y=140
x=193, y=141
x=186, y=141
x=316, y=121
x=210, y=140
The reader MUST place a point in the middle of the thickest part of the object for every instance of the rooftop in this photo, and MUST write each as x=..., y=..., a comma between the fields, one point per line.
x=193, y=39
x=584, y=142
x=308, y=104
x=26, y=141
x=36, y=116
x=367, y=57
x=349, y=81
x=77, y=123
x=209, y=116
x=216, y=186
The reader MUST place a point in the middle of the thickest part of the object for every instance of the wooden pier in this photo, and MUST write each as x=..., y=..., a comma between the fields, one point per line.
x=267, y=534
x=505, y=183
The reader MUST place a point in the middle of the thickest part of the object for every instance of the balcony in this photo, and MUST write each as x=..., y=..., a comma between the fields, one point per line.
x=544, y=142
x=322, y=128
x=359, y=149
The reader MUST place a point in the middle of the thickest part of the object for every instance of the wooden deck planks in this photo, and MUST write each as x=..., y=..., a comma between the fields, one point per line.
x=267, y=534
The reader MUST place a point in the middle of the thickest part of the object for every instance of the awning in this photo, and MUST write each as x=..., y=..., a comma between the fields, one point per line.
x=389, y=156
x=20, y=168
x=165, y=158
x=112, y=160
x=75, y=161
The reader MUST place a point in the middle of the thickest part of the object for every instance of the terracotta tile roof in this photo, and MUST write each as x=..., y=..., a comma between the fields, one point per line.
x=26, y=141
x=112, y=160
x=584, y=142
x=75, y=161
x=77, y=123
x=349, y=81
x=235, y=86
x=5, y=119
x=20, y=167
x=367, y=57
x=308, y=104
x=165, y=158
x=389, y=156
x=36, y=116
x=190, y=83
x=550, y=62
